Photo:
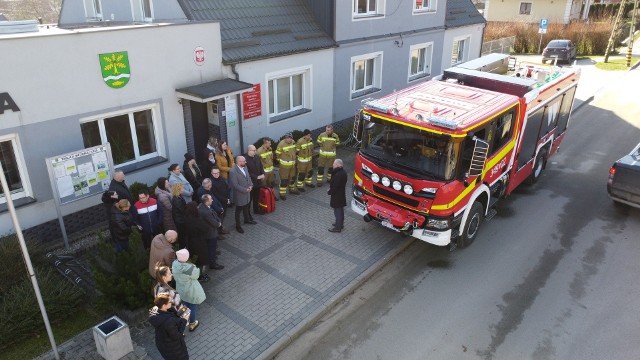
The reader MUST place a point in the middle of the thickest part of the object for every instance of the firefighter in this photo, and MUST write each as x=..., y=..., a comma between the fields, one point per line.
x=266, y=157
x=286, y=153
x=305, y=167
x=327, y=141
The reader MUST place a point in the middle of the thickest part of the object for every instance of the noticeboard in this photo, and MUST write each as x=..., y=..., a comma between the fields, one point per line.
x=80, y=174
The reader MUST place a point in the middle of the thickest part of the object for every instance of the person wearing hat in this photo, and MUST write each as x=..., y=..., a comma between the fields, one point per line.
x=192, y=171
x=191, y=292
x=286, y=153
x=304, y=164
x=175, y=176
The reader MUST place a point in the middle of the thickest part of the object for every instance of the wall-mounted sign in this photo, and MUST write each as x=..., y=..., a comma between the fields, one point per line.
x=252, y=102
x=198, y=55
x=115, y=68
x=7, y=103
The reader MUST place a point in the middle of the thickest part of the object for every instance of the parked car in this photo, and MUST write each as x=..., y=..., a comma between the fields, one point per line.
x=563, y=50
x=623, y=185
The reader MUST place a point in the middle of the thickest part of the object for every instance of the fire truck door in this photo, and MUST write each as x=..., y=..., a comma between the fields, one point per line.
x=530, y=137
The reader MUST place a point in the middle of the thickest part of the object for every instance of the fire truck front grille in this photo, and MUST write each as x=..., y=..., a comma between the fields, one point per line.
x=397, y=197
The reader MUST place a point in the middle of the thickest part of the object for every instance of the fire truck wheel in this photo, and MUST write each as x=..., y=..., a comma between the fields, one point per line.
x=541, y=162
x=472, y=226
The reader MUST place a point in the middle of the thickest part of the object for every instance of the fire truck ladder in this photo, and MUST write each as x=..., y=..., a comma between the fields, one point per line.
x=353, y=141
x=480, y=152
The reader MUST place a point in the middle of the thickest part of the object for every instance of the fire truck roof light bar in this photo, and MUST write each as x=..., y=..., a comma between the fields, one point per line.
x=446, y=123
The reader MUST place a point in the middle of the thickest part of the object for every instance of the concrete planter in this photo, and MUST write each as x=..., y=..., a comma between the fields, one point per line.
x=113, y=339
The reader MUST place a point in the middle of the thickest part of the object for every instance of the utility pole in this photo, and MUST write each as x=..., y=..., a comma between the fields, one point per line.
x=632, y=30
x=616, y=24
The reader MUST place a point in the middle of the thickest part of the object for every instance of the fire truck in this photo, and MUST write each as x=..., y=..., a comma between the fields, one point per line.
x=435, y=157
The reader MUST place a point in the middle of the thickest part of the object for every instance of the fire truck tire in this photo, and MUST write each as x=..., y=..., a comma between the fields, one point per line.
x=472, y=225
x=538, y=167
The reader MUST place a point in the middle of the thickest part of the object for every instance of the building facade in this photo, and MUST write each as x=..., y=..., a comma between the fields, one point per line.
x=533, y=10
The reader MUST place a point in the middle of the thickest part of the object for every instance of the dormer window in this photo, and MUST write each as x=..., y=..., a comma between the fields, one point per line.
x=147, y=10
x=93, y=10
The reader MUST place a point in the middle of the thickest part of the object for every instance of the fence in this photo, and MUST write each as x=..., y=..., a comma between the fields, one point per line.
x=502, y=46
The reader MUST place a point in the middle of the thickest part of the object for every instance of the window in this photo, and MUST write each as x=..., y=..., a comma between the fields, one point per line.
x=423, y=6
x=365, y=74
x=13, y=167
x=147, y=14
x=289, y=93
x=367, y=8
x=525, y=8
x=420, y=61
x=459, y=51
x=132, y=135
x=504, y=129
x=93, y=9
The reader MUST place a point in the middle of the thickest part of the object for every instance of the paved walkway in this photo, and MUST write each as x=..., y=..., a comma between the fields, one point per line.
x=279, y=276
x=284, y=273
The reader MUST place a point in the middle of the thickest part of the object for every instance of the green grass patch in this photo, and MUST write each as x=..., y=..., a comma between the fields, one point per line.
x=615, y=64
x=39, y=344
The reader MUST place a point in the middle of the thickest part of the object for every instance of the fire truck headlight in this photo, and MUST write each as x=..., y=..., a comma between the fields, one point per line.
x=375, y=178
x=408, y=189
x=430, y=190
x=438, y=223
x=386, y=181
x=397, y=186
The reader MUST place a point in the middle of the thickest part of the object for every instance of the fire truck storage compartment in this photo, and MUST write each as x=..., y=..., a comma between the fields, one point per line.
x=492, y=63
x=488, y=81
x=530, y=137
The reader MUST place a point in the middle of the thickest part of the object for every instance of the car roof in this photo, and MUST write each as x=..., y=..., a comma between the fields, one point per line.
x=558, y=42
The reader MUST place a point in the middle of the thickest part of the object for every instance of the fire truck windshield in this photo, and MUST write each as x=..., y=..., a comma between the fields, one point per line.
x=419, y=153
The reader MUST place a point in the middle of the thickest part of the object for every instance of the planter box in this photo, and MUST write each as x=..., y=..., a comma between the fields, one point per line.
x=113, y=339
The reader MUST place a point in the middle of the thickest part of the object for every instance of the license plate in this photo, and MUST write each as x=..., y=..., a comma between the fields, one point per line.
x=430, y=233
x=361, y=206
x=554, y=56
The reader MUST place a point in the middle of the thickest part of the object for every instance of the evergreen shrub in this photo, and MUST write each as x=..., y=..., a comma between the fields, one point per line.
x=136, y=188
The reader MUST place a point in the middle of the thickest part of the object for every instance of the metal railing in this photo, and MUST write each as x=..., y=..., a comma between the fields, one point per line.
x=503, y=46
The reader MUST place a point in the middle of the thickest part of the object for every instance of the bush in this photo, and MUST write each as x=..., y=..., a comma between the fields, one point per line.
x=136, y=188
x=122, y=278
x=21, y=317
x=12, y=270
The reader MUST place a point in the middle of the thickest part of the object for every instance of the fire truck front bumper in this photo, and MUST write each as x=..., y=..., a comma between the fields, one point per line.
x=378, y=211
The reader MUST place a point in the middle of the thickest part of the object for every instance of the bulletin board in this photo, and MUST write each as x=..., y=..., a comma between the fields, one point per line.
x=80, y=174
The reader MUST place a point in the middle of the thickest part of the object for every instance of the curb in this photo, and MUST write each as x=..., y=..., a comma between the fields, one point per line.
x=303, y=326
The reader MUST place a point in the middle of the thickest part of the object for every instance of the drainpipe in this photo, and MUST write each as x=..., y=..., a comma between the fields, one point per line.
x=235, y=72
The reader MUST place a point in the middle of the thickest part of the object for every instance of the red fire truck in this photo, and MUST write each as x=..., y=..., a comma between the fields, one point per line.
x=436, y=157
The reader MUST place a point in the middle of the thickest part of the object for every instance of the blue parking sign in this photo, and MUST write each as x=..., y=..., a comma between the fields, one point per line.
x=544, y=23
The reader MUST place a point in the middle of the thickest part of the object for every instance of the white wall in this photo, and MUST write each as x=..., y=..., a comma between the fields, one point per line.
x=55, y=79
x=473, y=48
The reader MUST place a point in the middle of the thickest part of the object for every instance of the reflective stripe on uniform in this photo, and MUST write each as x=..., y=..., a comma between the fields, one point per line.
x=287, y=163
x=327, y=153
x=268, y=169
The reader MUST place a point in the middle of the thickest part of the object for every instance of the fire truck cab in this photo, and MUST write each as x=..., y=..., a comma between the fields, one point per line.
x=435, y=157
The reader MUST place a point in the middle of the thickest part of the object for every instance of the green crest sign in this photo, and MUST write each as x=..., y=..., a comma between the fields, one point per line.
x=115, y=68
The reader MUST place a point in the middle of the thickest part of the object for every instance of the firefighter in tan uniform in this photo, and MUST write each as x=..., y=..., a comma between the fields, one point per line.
x=328, y=142
x=286, y=153
x=266, y=157
x=305, y=168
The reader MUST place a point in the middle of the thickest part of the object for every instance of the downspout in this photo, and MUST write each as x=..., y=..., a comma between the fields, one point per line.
x=233, y=70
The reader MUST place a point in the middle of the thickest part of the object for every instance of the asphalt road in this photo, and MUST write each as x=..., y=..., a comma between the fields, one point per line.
x=553, y=276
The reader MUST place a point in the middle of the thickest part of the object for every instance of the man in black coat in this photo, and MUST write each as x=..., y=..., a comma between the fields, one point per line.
x=169, y=328
x=338, y=194
x=256, y=172
x=213, y=222
x=118, y=190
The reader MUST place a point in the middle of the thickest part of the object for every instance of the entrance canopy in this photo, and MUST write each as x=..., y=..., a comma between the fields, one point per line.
x=212, y=90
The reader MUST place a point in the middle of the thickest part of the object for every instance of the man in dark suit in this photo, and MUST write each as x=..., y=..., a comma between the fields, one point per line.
x=256, y=172
x=338, y=195
x=213, y=222
x=240, y=182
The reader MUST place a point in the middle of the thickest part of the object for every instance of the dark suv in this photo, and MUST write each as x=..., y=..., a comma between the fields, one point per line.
x=563, y=50
x=623, y=185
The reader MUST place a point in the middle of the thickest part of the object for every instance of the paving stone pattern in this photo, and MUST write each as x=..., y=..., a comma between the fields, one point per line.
x=277, y=274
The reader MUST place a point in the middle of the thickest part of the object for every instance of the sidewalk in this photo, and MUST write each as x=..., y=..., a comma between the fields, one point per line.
x=284, y=273
x=279, y=276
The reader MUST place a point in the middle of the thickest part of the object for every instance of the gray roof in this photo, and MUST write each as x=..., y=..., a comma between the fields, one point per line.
x=3, y=18
x=462, y=13
x=214, y=89
x=257, y=29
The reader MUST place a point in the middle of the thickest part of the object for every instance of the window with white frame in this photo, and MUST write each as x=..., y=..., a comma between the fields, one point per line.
x=525, y=8
x=147, y=9
x=460, y=51
x=420, y=6
x=362, y=8
x=132, y=135
x=366, y=73
x=93, y=9
x=420, y=61
x=13, y=167
x=288, y=93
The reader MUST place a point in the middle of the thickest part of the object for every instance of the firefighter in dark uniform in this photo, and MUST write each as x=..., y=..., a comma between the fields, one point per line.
x=286, y=154
x=304, y=164
x=328, y=142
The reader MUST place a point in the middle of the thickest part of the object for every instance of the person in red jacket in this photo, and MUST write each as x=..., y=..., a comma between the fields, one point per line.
x=148, y=216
